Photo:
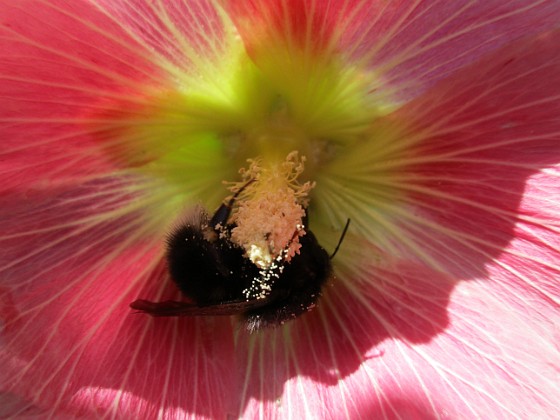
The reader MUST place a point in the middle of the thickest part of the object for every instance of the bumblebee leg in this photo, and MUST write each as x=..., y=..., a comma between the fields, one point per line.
x=223, y=212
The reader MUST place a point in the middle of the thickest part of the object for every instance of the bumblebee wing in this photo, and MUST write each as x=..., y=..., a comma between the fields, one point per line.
x=177, y=308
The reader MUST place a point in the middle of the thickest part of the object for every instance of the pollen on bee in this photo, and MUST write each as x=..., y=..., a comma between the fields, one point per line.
x=270, y=209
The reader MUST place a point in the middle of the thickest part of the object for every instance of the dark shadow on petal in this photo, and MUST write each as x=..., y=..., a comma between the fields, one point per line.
x=483, y=133
x=349, y=327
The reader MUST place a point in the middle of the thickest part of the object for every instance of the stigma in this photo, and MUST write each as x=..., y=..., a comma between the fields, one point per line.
x=271, y=208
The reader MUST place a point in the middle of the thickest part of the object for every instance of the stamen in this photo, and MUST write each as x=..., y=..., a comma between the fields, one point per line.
x=270, y=209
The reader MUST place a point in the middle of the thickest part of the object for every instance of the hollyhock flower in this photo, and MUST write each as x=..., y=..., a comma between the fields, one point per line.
x=433, y=126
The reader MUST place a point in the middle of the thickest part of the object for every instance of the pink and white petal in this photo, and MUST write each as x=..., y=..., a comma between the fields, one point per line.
x=409, y=45
x=60, y=61
x=70, y=343
x=294, y=24
x=400, y=343
x=76, y=243
x=413, y=44
x=391, y=333
x=74, y=74
x=446, y=188
x=324, y=359
x=483, y=135
x=13, y=406
x=480, y=190
x=178, y=34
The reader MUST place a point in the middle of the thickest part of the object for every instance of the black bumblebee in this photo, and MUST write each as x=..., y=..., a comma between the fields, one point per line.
x=217, y=276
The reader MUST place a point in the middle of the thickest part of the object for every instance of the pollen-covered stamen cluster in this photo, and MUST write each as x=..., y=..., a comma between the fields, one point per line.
x=270, y=210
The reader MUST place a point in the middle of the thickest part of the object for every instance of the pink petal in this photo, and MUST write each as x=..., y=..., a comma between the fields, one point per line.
x=411, y=45
x=62, y=61
x=415, y=44
x=69, y=337
x=75, y=247
x=481, y=135
x=302, y=24
x=479, y=173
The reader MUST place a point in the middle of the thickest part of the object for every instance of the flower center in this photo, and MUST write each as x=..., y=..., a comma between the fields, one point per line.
x=196, y=134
